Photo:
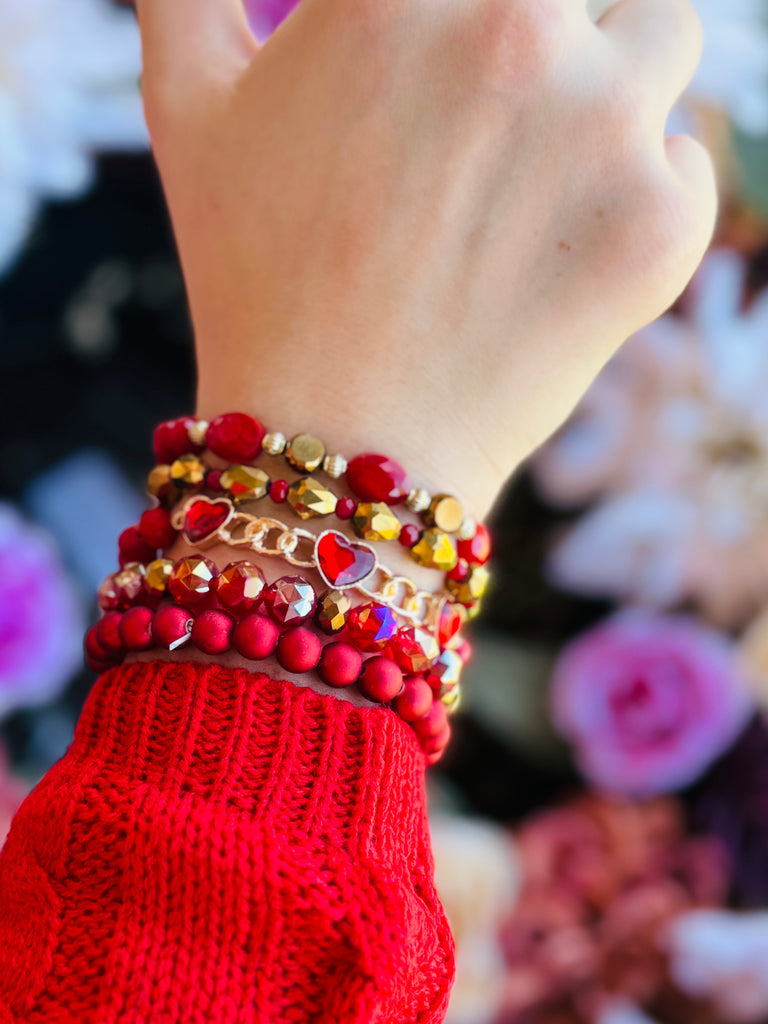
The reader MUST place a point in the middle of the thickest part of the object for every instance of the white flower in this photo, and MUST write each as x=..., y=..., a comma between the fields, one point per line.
x=68, y=87
x=672, y=440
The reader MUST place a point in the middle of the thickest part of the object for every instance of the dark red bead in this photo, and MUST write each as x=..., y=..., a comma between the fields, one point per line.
x=415, y=700
x=340, y=664
x=213, y=479
x=290, y=600
x=374, y=477
x=460, y=571
x=345, y=508
x=193, y=581
x=171, y=439
x=433, y=722
x=409, y=535
x=255, y=637
x=212, y=631
x=476, y=550
x=96, y=657
x=171, y=627
x=278, y=491
x=155, y=529
x=299, y=649
x=235, y=437
x=381, y=679
x=239, y=587
x=136, y=629
x=108, y=633
x=370, y=627
x=132, y=548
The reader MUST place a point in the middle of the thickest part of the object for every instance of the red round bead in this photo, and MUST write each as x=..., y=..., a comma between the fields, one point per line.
x=171, y=627
x=136, y=629
x=340, y=664
x=409, y=535
x=213, y=479
x=108, y=633
x=381, y=679
x=155, y=529
x=415, y=700
x=278, y=491
x=476, y=550
x=370, y=627
x=239, y=587
x=212, y=631
x=96, y=657
x=377, y=478
x=345, y=508
x=235, y=436
x=433, y=722
x=299, y=649
x=255, y=637
x=132, y=548
x=436, y=744
x=171, y=439
x=460, y=571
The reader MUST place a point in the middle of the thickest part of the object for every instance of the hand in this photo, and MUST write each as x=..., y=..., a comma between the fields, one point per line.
x=421, y=226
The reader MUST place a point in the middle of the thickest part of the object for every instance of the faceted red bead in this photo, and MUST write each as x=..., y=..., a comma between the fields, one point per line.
x=171, y=439
x=452, y=618
x=374, y=477
x=171, y=627
x=476, y=550
x=235, y=436
x=132, y=548
x=129, y=583
x=212, y=631
x=414, y=649
x=290, y=600
x=381, y=679
x=415, y=700
x=345, y=508
x=155, y=529
x=239, y=587
x=278, y=491
x=108, y=597
x=299, y=649
x=409, y=535
x=192, y=581
x=136, y=629
x=255, y=637
x=107, y=631
x=370, y=627
x=340, y=664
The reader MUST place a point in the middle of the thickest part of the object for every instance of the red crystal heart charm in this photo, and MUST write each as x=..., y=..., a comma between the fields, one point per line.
x=203, y=518
x=341, y=562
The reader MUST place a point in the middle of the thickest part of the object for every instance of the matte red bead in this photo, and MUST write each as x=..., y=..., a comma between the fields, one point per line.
x=476, y=550
x=433, y=722
x=235, y=436
x=239, y=587
x=381, y=679
x=415, y=700
x=136, y=629
x=255, y=637
x=340, y=664
x=212, y=631
x=299, y=649
x=97, y=658
x=278, y=491
x=345, y=508
x=409, y=535
x=155, y=529
x=171, y=439
x=377, y=478
x=370, y=627
x=434, y=746
x=171, y=627
x=108, y=633
x=132, y=548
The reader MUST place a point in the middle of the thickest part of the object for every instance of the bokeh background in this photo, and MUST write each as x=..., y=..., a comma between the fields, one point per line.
x=600, y=821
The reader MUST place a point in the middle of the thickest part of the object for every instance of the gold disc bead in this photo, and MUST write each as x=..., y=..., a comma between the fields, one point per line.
x=435, y=550
x=471, y=589
x=335, y=466
x=274, y=444
x=309, y=498
x=187, y=471
x=157, y=574
x=418, y=500
x=305, y=452
x=445, y=513
x=375, y=520
x=245, y=483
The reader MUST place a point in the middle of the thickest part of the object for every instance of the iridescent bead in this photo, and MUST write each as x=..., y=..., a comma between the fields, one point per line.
x=370, y=627
x=129, y=583
x=156, y=576
x=191, y=582
x=305, y=452
x=445, y=513
x=290, y=600
x=376, y=521
x=188, y=471
x=435, y=550
x=332, y=609
x=239, y=587
x=414, y=649
x=309, y=498
x=445, y=672
x=245, y=483
x=471, y=589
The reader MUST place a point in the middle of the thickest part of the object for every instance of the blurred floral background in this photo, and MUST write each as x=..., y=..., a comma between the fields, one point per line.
x=600, y=821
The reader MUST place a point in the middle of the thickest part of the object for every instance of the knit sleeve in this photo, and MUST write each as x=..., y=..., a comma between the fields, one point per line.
x=218, y=847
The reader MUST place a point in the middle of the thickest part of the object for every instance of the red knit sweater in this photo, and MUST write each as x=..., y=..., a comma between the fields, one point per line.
x=218, y=847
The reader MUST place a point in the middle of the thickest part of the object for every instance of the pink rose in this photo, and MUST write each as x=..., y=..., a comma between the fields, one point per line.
x=648, y=702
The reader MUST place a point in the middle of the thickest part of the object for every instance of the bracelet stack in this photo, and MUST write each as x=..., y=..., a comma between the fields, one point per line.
x=364, y=625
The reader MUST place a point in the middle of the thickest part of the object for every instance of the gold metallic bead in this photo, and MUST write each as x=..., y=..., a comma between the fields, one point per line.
x=187, y=471
x=417, y=500
x=305, y=452
x=198, y=431
x=332, y=609
x=468, y=529
x=374, y=520
x=245, y=483
x=435, y=550
x=159, y=482
x=445, y=513
x=451, y=698
x=273, y=444
x=157, y=574
x=335, y=466
x=308, y=498
x=472, y=588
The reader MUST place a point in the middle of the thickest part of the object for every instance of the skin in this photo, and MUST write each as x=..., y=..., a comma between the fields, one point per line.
x=422, y=226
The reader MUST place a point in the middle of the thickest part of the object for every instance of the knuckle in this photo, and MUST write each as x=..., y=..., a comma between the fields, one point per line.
x=517, y=42
x=683, y=24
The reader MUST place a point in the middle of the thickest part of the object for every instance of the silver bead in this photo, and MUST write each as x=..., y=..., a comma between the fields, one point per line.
x=198, y=431
x=418, y=500
x=468, y=529
x=335, y=466
x=274, y=444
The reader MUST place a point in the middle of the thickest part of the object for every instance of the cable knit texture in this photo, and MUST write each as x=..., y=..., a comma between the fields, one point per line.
x=218, y=847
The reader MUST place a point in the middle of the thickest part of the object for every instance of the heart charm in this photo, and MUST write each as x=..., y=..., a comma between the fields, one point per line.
x=341, y=562
x=204, y=518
